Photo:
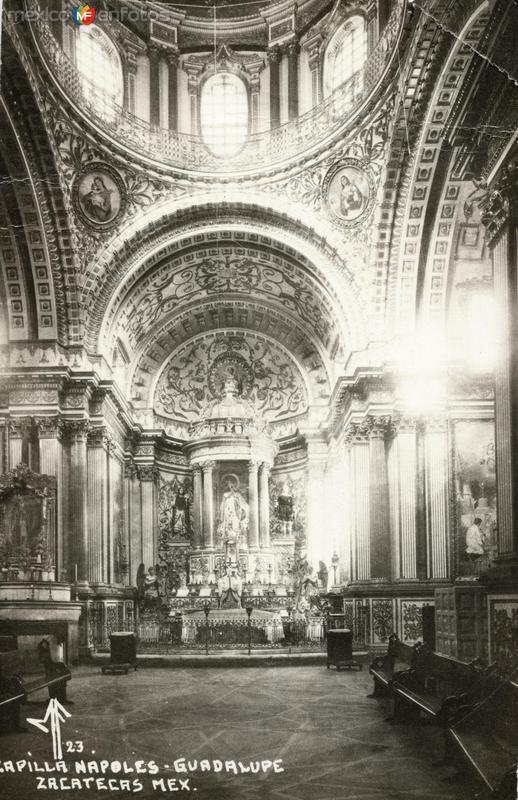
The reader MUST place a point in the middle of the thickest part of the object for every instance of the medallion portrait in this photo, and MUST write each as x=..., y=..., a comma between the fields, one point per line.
x=348, y=192
x=98, y=196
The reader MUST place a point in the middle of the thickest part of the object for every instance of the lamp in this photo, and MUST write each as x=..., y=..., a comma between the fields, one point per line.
x=206, y=611
x=249, y=608
x=289, y=609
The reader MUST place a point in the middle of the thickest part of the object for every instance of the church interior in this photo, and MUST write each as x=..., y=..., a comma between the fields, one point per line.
x=258, y=325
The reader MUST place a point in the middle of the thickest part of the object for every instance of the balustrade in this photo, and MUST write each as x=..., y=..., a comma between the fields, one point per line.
x=188, y=152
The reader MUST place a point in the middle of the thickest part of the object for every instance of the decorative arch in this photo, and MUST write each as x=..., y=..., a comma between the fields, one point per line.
x=412, y=168
x=166, y=235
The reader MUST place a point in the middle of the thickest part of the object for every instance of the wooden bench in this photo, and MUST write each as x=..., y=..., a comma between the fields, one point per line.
x=14, y=690
x=382, y=668
x=435, y=686
x=483, y=740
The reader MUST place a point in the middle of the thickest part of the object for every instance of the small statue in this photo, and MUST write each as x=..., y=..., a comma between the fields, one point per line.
x=284, y=509
x=230, y=587
x=322, y=575
x=180, y=520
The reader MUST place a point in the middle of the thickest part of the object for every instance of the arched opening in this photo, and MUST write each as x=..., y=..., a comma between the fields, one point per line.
x=345, y=54
x=100, y=68
x=224, y=114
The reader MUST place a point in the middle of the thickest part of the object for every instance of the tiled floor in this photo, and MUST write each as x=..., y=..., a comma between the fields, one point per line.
x=332, y=739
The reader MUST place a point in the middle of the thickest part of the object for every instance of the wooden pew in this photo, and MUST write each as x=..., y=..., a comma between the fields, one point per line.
x=382, y=668
x=14, y=690
x=435, y=686
x=483, y=740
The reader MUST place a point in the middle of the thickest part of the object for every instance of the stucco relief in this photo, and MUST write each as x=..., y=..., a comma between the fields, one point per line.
x=268, y=377
x=224, y=275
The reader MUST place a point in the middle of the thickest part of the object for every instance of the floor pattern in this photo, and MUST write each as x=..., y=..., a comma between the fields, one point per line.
x=334, y=742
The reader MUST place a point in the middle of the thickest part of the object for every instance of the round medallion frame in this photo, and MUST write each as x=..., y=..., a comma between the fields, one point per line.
x=359, y=198
x=99, y=170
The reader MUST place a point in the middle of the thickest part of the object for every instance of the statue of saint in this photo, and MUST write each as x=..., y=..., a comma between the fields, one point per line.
x=285, y=509
x=180, y=521
x=234, y=513
x=230, y=588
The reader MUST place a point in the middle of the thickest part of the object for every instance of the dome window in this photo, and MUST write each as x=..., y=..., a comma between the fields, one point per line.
x=345, y=54
x=99, y=64
x=224, y=114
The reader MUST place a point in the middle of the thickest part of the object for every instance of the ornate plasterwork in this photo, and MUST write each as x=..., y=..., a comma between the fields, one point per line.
x=425, y=142
x=267, y=376
x=224, y=271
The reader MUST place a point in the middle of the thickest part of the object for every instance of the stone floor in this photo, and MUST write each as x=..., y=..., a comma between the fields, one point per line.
x=333, y=740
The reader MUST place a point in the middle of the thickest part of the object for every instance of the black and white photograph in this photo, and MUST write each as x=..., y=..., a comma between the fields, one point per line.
x=258, y=399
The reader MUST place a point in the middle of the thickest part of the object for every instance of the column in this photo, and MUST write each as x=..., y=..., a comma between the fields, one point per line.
x=154, y=85
x=313, y=47
x=255, y=87
x=148, y=475
x=51, y=463
x=264, y=505
x=372, y=29
x=16, y=431
x=136, y=554
x=130, y=76
x=407, y=475
x=317, y=532
x=116, y=541
x=3, y=446
x=380, y=551
x=357, y=441
x=208, y=502
x=274, y=58
x=172, y=67
x=78, y=510
x=97, y=505
x=504, y=276
x=253, y=502
x=436, y=490
x=293, y=80
x=404, y=477
x=197, y=512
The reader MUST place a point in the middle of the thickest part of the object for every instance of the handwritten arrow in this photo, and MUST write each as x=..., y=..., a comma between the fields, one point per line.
x=54, y=715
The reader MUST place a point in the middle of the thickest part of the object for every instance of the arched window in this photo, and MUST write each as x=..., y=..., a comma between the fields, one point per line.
x=99, y=65
x=345, y=54
x=224, y=114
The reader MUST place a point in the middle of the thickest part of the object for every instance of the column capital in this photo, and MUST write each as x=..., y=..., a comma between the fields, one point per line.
x=147, y=473
x=207, y=466
x=99, y=437
x=435, y=425
x=253, y=465
x=378, y=427
x=130, y=470
x=292, y=48
x=154, y=51
x=404, y=424
x=499, y=205
x=172, y=57
x=18, y=426
x=196, y=468
x=274, y=54
x=356, y=433
x=77, y=430
x=49, y=427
